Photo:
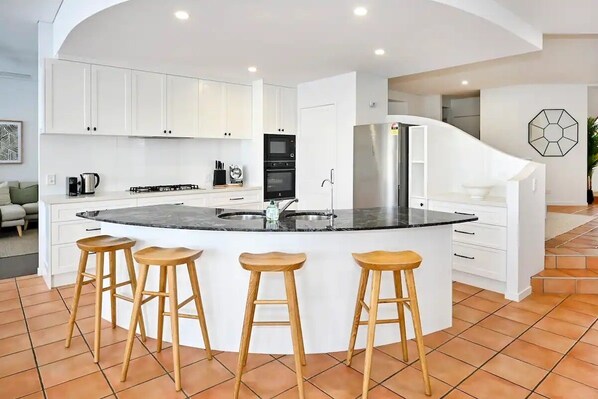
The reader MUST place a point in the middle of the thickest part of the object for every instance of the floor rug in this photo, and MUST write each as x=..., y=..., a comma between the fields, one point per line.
x=13, y=245
x=560, y=223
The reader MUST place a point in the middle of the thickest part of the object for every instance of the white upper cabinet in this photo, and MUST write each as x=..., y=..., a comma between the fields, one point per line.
x=238, y=111
x=182, y=106
x=280, y=109
x=67, y=97
x=149, y=104
x=224, y=110
x=110, y=100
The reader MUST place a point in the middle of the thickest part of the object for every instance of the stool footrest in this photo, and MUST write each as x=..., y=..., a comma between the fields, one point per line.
x=364, y=305
x=88, y=282
x=382, y=321
x=271, y=323
x=270, y=302
x=149, y=298
x=123, y=297
x=186, y=301
x=183, y=315
x=155, y=293
x=394, y=300
x=89, y=275
x=122, y=284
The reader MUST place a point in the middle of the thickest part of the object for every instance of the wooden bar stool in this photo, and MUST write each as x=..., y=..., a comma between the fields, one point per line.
x=377, y=262
x=168, y=259
x=101, y=245
x=272, y=262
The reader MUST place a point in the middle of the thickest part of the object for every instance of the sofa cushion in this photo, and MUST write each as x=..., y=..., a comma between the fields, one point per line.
x=22, y=196
x=31, y=208
x=25, y=184
x=4, y=195
x=12, y=212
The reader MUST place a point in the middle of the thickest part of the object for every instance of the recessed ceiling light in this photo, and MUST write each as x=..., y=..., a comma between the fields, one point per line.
x=184, y=15
x=379, y=51
x=360, y=11
x=252, y=69
x=464, y=82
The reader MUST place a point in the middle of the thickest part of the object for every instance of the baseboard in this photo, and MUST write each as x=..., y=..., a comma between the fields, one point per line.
x=518, y=297
x=480, y=282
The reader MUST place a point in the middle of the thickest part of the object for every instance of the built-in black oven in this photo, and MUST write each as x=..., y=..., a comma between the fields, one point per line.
x=279, y=180
x=279, y=147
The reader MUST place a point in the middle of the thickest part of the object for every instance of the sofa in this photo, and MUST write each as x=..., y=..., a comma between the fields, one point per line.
x=18, y=204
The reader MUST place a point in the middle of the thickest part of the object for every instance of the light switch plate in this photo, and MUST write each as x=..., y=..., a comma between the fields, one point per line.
x=51, y=180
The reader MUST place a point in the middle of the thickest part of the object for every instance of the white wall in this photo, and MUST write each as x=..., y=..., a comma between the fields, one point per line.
x=593, y=101
x=464, y=113
x=372, y=99
x=125, y=161
x=416, y=105
x=18, y=101
x=505, y=114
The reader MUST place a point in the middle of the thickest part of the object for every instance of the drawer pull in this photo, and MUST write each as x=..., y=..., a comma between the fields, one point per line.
x=465, y=232
x=179, y=203
x=463, y=213
x=237, y=199
x=94, y=229
x=464, y=257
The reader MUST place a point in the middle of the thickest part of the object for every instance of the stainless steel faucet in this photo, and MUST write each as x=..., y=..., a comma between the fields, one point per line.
x=284, y=208
x=331, y=181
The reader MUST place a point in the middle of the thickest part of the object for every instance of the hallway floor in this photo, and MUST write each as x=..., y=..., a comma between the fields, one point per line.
x=544, y=347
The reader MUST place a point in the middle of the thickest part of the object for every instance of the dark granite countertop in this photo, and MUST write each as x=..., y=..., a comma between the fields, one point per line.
x=194, y=218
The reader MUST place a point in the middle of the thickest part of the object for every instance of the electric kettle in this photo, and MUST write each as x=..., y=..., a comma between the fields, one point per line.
x=89, y=182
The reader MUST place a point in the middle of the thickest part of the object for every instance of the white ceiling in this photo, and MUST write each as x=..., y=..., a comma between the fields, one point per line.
x=289, y=41
x=18, y=29
x=564, y=59
x=557, y=16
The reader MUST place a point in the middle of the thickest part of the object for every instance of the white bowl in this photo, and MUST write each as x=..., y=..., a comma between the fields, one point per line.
x=477, y=192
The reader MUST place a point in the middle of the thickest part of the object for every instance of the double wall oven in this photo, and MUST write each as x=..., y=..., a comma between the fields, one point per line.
x=279, y=166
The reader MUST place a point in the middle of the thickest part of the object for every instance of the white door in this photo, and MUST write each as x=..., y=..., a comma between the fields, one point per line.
x=149, y=104
x=212, y=109
x=182, y=106
x=271, y=109
x=238, y=111
x=110, y=100
x=67, y=97
x=316, y=155
x=288, y=110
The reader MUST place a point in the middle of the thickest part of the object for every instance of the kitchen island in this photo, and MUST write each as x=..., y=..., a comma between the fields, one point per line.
x=327, y=283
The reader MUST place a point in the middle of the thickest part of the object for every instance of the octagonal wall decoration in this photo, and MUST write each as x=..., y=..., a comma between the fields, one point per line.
x=553, y=132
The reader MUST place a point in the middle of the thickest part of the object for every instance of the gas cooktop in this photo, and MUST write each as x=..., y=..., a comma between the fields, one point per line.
x=170, y=187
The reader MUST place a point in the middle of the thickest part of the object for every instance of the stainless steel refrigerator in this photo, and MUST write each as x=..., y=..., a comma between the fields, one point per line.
x=380, y=165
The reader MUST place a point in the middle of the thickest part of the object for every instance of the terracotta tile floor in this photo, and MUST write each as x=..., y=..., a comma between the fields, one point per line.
x=543, y=347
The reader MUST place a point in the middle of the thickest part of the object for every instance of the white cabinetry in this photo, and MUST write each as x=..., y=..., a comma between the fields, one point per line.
x=418, y=167
x=110, y=100
x=182, y=106
x=280, y=109
x=67, y=97
x=149, y=104
x=224, y=110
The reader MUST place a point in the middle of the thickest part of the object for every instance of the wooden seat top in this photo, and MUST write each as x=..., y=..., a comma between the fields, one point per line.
x=105, y=243
x=388, y=260
x=166, y=256
x=272, y=261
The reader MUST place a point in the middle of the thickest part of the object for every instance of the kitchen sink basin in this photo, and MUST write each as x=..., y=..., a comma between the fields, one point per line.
x=242, y=216
x=310, y=216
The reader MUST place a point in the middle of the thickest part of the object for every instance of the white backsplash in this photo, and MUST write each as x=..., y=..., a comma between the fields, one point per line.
x=122, y=162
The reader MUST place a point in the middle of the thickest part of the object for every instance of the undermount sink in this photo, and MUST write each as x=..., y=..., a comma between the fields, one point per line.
x=311, y=216
x=242, y=215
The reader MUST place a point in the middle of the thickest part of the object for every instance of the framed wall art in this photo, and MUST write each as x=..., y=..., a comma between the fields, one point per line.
x=11, y=141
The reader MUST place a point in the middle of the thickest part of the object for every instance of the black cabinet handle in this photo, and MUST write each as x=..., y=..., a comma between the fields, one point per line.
x=95, y=128
x=465, y=232
x=463, y=213
x=237, y=199
x=88, y=128
x=170, y=132
x=421, y=204
x=96, y=229
x=179, y=203
x=464, y=257
x=164, y=131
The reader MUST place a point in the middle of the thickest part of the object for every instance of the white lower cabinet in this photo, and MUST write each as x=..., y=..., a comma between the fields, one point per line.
x=481, y=261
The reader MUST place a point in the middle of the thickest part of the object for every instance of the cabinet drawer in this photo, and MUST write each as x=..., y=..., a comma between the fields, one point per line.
x=484, y=262
x=254, y=206
x=230, y=200
x=65, y=258
x=419, y=203
x=68, y=212
x=481, y=234
x=189, y=200
x=65, y=233
x=486, y=214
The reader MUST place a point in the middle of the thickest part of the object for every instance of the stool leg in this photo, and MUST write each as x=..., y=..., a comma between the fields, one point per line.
x=138, y=298
x=254, y=283
x=161, y=300
x=174, y=321
x=401, y=312
x=133, y=280
x=199, y=306
x=289, y=282
x=98, y=307
x=291, y=277
x=252, y=314
x=363, y=282
x=112, y=265
x=373, y=317
x=417, y=326
x=78, y=286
